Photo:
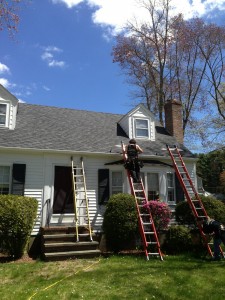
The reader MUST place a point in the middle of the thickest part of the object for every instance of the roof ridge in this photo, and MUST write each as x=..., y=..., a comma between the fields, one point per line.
x=72, y=109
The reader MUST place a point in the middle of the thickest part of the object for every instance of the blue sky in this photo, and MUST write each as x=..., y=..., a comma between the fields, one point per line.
x=61, y=55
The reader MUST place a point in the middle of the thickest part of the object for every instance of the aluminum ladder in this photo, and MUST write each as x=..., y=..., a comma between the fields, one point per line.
x=147, y=228
x=190, y=192
x=81, y=210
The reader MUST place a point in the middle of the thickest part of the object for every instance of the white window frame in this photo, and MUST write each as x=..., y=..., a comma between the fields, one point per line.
x=6, y=114
x=115, y=189
x=4, y=182
x=170, y=188
x=147, y=128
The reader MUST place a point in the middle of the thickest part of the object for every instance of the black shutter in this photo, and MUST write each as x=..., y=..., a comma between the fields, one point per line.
x=103, y=185
x=179, y=190
x=18, y=179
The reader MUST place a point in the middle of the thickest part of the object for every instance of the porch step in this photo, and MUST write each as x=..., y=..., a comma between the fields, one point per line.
x=59, y=242
x=50, y=256
x=69, y=246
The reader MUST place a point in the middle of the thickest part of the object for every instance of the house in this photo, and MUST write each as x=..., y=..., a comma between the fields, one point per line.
x=37, y=143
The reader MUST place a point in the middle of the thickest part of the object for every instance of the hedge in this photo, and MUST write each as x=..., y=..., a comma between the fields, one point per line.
x=17, y=216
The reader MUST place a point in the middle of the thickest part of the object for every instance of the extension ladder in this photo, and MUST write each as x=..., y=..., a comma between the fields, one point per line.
x=146, y=224
x=190, y=192
x=81, y=210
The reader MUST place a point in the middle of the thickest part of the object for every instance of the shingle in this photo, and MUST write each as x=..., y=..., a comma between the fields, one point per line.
x=45, y=127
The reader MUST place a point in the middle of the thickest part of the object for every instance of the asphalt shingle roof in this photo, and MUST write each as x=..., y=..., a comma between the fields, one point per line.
x=52, y=128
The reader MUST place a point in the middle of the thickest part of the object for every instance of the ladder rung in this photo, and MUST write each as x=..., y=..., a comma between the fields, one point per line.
x=153, y=253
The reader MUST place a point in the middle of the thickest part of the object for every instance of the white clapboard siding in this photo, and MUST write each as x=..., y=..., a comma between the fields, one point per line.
x=37, y=194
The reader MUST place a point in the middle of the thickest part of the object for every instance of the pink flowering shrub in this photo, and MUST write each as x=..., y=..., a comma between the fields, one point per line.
x=161, y=214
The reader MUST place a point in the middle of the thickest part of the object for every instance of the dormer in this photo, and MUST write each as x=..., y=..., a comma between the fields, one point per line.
x=139, y=123
x=8, y=109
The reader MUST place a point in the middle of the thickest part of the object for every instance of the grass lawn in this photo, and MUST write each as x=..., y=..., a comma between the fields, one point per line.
x=116, y=278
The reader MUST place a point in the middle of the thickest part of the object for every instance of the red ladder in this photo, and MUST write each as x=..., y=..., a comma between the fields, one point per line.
x=146, y=224
x=190, y=192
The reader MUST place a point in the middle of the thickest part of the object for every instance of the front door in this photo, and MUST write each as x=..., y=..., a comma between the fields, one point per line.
x=63, y=207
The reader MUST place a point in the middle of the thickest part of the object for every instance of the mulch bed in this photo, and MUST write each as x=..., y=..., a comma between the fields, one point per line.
x=8, y=259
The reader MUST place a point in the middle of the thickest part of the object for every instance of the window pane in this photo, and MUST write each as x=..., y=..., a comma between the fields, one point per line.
x=2, y=109
x=153, y=186
x=141, y=123
x=117, y=182
x=153, y=181
x=4, y=179
x=142, y=132
x=4, y=189
x=141, y=127
x=2, y=120
x=170, y=182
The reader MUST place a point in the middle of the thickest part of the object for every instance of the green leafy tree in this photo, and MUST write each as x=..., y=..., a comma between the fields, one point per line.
x=209, y=168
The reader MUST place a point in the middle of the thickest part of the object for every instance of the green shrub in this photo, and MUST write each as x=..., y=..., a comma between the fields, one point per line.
x=120, y=222
x=17, y=215
x=178, y=240
x=214, y=208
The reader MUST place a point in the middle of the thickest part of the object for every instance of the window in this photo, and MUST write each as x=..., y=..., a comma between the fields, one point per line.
x=3, y=109
x=117, y=182
x=4, y=180
x=153, y=186
x=170, y=183
x=141, y=128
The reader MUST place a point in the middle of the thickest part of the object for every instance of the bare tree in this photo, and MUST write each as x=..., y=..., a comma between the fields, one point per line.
x=9, y=17
x=170, y=58
x=143, y=54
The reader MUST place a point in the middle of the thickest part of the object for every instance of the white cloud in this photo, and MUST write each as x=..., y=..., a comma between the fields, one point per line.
x=116, y=13
x=69, y=3
x=46, y=88
x=56, y=63
x=5, y=83
x=21, y=101
x=49, y=56
x=4, y=69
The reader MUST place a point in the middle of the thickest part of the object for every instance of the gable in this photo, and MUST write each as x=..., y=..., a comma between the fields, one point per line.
x=139, y=123
x=8, y=109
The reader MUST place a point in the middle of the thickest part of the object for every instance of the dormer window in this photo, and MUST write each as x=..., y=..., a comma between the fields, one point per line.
x=141, y=128
x=139, y=123
x=3, y=114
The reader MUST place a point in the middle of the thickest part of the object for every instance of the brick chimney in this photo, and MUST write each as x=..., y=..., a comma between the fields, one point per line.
x=174, y=119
